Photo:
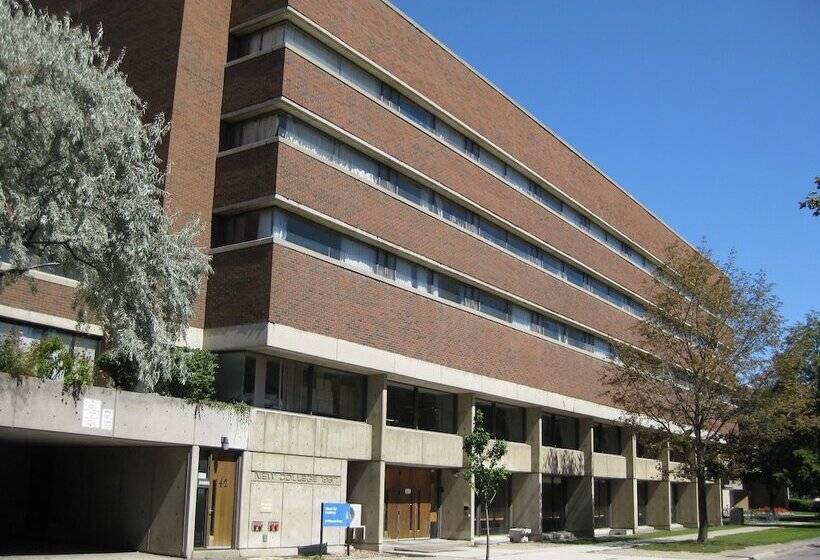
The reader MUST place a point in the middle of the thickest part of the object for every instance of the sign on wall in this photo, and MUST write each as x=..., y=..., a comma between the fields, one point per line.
x=337, y=514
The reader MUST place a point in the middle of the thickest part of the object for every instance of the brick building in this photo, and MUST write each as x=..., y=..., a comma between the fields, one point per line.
x=396, y=244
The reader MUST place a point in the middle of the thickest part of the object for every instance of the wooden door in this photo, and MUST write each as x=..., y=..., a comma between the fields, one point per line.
x=222, y=474
x=408, y=499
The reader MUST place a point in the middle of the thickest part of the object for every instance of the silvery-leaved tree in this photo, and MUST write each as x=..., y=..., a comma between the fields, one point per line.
x=699, y=363
x=81, y=187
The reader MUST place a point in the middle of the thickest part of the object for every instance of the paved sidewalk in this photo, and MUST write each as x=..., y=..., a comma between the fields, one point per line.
x=712, y=532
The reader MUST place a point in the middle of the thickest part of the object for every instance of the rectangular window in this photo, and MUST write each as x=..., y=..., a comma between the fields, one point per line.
x=338, y=394
x=450, y=289
x=401, y=406
x=606, y=439
x=546, y=327
x=603, y=496
x=471, y=148
x=492, y=233
x=575, y=276
x=313, y=236
x=579, y=339
x=502, y=421
x=436, y=411
x=272, y=373
x=493, y=306
x=559, y=431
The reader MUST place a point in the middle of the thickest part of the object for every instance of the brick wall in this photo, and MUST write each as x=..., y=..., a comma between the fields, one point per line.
x=310, y=294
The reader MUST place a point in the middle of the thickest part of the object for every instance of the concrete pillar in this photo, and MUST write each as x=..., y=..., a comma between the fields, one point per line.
x=688, y=503
x=714, y=503
x=526, y=502
x=625, y=492
x=376, y=412
x=624, y=504
x=457, y=498
x=365, y=485
x=525, y=497
x=658, y=506
x=190, y=501
x=580, y=502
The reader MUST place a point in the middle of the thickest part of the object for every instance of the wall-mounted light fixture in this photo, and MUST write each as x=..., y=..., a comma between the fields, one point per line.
x=225, y=443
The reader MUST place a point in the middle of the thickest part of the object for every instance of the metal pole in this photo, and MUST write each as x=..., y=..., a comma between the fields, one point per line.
x=321, y=529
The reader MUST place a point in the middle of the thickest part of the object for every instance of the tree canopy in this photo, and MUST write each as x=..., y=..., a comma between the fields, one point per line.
x=701, y=354
x=812, y=200
x=81, y=187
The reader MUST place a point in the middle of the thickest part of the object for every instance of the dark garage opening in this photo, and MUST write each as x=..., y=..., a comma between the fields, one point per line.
x=87, y=497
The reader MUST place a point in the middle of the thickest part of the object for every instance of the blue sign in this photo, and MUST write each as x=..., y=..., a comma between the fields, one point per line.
x=336, y=514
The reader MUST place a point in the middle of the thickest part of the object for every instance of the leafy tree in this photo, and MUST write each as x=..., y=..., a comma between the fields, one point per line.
x=701, y=356
x=484, y=472
x=192, y=376
x=780, y=434
x=81, y=187
x=812, y=200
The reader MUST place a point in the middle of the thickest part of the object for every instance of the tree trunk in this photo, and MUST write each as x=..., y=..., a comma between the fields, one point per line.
x=487, y=528
x=772, y=496
x=703, y=514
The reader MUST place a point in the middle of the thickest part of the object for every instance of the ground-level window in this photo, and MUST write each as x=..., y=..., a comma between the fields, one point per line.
x=553, y=503
x=643, y=501
x=603, y=502
x=498, y=513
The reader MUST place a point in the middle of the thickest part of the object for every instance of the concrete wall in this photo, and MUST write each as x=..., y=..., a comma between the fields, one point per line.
x=302, y=434
x=518, y=457
x=608, y=466
x=288, y=489
x=418, y=447
x=366, y=487
x=36, y=404
x=564, y=462
x=648, y=469
x=624, y=504
x=526, y=502
x=714, y=504
x=108, y=498
x=688, y=504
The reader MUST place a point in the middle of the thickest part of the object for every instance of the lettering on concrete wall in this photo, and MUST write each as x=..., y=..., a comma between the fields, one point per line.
x=296, y=478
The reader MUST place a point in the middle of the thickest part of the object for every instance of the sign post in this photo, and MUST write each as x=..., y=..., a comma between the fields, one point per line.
x=334, y=514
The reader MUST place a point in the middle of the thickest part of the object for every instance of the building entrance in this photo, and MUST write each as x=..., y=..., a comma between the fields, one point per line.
x=553, y=503
x=411, y=503
x=216, y=499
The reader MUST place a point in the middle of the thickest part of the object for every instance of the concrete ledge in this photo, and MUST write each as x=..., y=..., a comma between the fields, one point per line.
x=563, y=462
x=608, y=466
x=28, y=403
x=418, y=447
x=518, y=457
x=648, y=469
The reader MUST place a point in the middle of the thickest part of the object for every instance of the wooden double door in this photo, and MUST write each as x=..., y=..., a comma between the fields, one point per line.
x=411, y=502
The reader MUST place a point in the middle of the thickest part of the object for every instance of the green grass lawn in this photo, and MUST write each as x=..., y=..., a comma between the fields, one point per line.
x=740, y=540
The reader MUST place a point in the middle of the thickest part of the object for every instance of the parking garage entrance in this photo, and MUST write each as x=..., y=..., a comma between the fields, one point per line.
x=67, y=493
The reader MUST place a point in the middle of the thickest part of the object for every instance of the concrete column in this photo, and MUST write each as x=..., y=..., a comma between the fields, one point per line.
x=688, y=504
x=365, y=485
x=376, y=412
x=625, y=492
x=526, y=487
x=190, y=500
x=526, y=502
x=714, y=503
x=580, y=502
x=457, y=498
x=658, y=506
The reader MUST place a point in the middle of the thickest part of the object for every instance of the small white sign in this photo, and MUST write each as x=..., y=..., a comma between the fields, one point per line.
x=91, y=413
x=107, y=421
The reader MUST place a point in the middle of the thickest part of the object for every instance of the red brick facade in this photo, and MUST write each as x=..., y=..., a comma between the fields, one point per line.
x=176, y=60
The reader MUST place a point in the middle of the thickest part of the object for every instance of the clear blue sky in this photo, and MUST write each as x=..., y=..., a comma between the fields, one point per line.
x=707, y=112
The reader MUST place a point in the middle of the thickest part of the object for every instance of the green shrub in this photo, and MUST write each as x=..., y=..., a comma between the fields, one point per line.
x=120, y=368
x=804, y=504
x=49, y=358
x=12, y=355
x=192, y=377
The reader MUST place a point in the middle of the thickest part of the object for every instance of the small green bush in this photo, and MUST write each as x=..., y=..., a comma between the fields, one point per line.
x=12, y=355
x=49, y=359
x=804, y=504
x=120, y=368
x=192, y=377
